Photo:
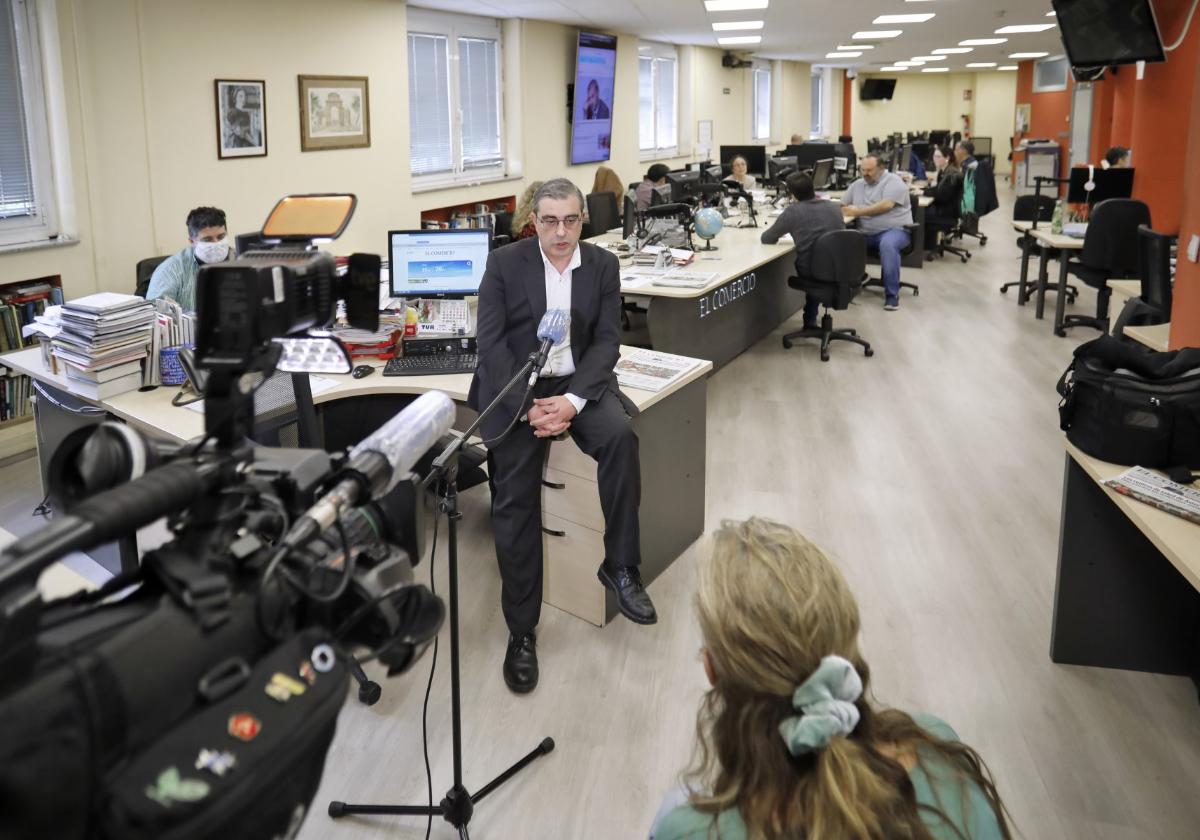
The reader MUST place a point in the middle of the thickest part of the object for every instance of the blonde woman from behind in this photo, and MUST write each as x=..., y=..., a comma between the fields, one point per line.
x=523, y=225
x=789, y=745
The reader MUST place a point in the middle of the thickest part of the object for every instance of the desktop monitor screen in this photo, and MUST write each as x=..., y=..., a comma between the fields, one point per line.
x=437, y=263
x=844, y=159
x=628, y=217
x=756, y=158
x=1099, y=33
x=1110, y=183
x=822, y=173
x=683, y=184
x=807, y=154
x=714, y=174
x=660, y=195
x=591, y=113
x=781, y=167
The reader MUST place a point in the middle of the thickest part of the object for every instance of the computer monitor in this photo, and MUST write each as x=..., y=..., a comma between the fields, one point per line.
x=921, y=150
x=983, y=146
x=1110, y=183
x=628, y=217
x=822, y=173
x=781, y=166
x=844, y=159
x=807, y=154
x=756, y=158
x=660, y=195
x=683, y=184
x=713, y=174
x=438, y=263
x=939, y=138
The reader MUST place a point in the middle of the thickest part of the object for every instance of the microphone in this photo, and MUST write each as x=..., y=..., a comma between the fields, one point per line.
x=552, y=330
x=377, y=463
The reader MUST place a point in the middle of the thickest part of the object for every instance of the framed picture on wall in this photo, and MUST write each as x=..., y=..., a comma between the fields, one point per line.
x=241, y=118
x=335, y=113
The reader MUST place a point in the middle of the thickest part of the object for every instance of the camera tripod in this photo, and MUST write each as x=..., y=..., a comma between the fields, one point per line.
x=458, y=805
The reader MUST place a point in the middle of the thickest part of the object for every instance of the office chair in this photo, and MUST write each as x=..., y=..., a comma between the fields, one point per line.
x=839, y=262
x=877, y=282
x=1110, y=252
x=1026, y=209
x=284, y=414
x=943, y=227
x=602, y=211
x=145, y=270
x=1153, y=306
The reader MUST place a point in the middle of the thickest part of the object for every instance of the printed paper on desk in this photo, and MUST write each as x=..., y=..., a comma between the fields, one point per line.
x=653, y=371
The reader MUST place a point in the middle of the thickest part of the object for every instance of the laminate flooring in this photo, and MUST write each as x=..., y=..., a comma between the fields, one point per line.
x=932, y=474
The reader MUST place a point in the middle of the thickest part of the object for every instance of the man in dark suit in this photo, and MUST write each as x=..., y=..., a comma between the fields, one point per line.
x=577, y=392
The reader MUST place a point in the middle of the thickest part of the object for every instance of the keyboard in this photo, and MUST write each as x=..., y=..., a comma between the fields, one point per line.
x=431, y=365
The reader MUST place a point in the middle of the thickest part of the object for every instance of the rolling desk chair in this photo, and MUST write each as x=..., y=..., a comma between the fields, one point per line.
x=602, y=211
x=943, y=227
x=145, y=270
x=839, y=261
x=913, y=230
x=1110, y=252
x=1029, y=208
x=1153, y=306
x=284, y=414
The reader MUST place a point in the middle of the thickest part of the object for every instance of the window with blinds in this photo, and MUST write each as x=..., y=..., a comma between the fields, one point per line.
x=818, y=104
x=26, y=194
x=658, y=109
x=455, y=104
x=762, y=103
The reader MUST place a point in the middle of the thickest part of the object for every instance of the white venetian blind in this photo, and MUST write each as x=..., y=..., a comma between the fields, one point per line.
x=16, y=171
x=664, y=71
x=429, y=104
x=762, y=103
x=479, y=98
x=646, y=103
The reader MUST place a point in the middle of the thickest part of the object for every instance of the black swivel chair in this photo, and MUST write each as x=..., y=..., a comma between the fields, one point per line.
x=1110, y=252
x=839, y=261
x=877, y=282
x=1153, y=306
x=502, y=232
x=284, y=414
x=943, y=228
x=1028, y=208
x=145, y=270
x=602, y=211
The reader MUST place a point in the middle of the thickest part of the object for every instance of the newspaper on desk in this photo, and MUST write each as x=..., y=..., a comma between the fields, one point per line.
x=1157, y=490
x=650, y=370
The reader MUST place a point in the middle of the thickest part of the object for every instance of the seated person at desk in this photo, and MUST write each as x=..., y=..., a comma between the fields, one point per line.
x=175, y=277
x=979, y=185
x=609, y=181
x=1116, y=158
x=656, y=176
x=522, y=220
x=737, y=170
x=944, y=187
x=806, y=218
x=880, y=202
x=577, y=391
x=791, y=744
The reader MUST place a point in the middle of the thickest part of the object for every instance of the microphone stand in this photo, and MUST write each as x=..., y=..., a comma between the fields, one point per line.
x=458, y=805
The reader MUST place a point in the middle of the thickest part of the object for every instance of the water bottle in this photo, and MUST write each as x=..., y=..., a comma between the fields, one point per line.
x=1056, y=221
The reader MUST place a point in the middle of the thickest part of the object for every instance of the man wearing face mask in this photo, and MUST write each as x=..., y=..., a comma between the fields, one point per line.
x=175, y=277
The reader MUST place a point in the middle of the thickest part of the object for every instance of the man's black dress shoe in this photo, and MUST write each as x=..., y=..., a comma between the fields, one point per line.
x=632, y=599
x=520, y=663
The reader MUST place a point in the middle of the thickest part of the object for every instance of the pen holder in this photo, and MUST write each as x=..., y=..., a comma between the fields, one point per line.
x=169, y=367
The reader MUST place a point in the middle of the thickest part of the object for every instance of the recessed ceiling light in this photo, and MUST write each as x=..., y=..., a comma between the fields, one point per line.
x=737, y=25
x=982, y=64
x=951, y=50
x=909, y=63
x=872, y=34
x=981, y=42
x=1025, y=27
x=902, y=18
x=843, y=55
x=935, y=70
x=740, y=39
x=899, y=69
x=1007, y=67
x=856, y=46
x=929, y=58
x=734, y=5
x=1029, y=55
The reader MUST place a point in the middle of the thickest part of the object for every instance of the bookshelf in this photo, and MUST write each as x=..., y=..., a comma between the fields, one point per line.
x=474, y=214
x=19, y=303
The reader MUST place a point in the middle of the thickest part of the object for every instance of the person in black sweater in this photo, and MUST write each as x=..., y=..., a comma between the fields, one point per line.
x=945, y=188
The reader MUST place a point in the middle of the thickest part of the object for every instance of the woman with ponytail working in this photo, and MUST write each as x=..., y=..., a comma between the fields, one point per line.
x=789, y=746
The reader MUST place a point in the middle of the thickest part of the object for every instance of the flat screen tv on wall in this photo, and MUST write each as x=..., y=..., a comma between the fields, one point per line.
x=1100, y=33
x=591, y=110
x=877, y=89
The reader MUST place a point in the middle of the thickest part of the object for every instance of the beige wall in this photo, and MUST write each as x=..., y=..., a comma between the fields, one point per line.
x=995, y=108
x=140, y=125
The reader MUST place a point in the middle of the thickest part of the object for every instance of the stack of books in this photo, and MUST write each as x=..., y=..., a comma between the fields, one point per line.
x=103, y=341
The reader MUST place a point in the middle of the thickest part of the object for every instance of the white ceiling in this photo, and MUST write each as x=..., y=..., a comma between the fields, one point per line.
x=803, y=30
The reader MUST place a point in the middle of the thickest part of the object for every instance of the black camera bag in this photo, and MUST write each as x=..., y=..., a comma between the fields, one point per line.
x=103, y=741
x=1126, y=405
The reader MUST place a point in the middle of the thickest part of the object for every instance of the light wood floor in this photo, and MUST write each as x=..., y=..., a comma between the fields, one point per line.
x=932, y=473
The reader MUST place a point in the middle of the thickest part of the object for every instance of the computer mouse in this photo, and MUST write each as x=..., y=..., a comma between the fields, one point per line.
x=361, y=371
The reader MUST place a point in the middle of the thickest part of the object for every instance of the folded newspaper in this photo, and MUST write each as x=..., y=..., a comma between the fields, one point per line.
x=1153, y=489
x=652, y=371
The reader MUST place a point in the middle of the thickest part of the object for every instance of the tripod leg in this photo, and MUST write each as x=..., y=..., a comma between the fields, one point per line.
x=544, y=748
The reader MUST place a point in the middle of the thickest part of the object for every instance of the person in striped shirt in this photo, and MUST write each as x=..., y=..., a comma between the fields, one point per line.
x=208, y=242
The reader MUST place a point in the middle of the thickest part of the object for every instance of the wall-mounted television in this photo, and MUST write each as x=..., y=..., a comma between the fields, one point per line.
x=877, y=89
x=591, y=110
x=1099, y=33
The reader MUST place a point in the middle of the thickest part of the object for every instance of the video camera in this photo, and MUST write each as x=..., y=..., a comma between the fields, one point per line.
x=197, y=696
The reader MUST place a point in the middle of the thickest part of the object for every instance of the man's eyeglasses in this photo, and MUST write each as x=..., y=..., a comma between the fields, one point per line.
x=551, y=223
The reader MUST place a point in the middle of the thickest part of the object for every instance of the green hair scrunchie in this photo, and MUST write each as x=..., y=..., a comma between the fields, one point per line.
x=825, y=702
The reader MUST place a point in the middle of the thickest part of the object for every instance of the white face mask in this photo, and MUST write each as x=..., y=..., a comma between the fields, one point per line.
x=211, y=252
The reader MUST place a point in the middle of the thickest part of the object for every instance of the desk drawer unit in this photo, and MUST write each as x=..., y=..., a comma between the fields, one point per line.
x=570, y=555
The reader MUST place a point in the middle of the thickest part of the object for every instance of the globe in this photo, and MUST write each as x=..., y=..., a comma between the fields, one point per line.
x=708, y=223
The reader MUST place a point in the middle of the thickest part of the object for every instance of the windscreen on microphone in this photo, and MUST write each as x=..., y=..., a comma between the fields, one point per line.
x=668, y=211
x=410, y=434
x=554, y=325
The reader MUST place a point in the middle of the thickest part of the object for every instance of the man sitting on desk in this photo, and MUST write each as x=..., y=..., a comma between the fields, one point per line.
x=175, y=277
x=577, y=391
x=880, y=202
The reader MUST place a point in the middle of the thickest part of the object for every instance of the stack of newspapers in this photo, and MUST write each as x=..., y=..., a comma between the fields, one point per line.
x=1157, y=490
x=102, y=343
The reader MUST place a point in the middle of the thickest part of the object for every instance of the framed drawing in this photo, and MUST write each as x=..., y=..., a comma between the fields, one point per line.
x=334, y=113
x=241, y=118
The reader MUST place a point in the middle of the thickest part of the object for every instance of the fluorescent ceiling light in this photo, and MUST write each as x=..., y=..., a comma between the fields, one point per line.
x=929, y=58
x=1048, y=14
x=982, y=42
x=1007, y=67
x=909, y=63
x=951, y=50
x=935, y=70
x=856, y=46
x=1025, y=27
x=734, y=5
x=899, y=69
x=902, y=18
x=1029, y=55
x=737, y=25
x=872, y=34
x=843, y=55
x=982, y=64
x=740, y=39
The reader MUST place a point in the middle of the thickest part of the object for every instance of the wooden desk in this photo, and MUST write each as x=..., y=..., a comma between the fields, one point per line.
x=1126, y=591
x=1060, y=246
x=671, y=428
x=1155, y=337
x=1123, y=290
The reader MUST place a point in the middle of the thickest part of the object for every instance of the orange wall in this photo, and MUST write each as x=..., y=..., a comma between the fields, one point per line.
x=1124, y=93
x=1102, y=119
x=1050, y=113
x=1185, y=313
x=847, y=99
